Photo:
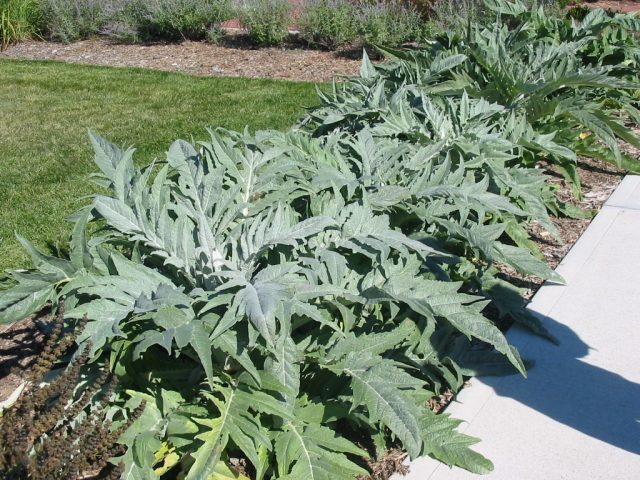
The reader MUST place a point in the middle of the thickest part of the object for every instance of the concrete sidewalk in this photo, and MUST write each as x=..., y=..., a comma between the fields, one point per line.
x=577, y=416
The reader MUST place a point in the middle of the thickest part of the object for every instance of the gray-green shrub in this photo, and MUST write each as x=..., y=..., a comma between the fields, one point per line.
x=455, y=14
x=389, y=23
x=329, y=23
x=266, y=21
x=133, y=20
x=122, y=22
x=180, y=19
x=72, y=20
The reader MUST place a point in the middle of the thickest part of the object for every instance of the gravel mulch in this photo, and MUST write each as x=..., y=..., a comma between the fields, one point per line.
x=196, y=58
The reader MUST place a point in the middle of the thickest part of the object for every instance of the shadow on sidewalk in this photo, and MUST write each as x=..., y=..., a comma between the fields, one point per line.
x=594, y=401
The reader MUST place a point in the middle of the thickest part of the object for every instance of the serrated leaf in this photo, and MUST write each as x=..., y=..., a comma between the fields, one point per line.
x=372, y=344
x=117, y=214
x=315, y=452
x=526, y=263
x=47, y=264
x=477, y=326
x=260, y=309
x=375, y=383
x=444, y=443
x=200, y=343
x=367, y=70
x=284, y=366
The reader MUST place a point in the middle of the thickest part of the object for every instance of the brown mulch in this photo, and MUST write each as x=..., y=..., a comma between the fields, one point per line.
x=392, y=461
x=237, y=59
x=617, y=6
x=599, y=180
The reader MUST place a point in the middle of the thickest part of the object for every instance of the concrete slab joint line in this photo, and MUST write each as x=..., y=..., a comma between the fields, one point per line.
x=577, y=416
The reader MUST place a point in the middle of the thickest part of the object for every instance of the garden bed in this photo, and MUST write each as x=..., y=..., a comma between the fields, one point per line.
x=294, y=303
x=236, y=56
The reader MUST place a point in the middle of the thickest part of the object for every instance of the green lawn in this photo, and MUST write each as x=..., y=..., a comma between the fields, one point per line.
x=46, y=108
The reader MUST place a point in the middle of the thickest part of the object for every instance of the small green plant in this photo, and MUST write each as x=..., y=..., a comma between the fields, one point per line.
x=19, y=20
x=329, y=23
x=180, y=19
x=389, y=23
x=266, y=21
x=215, y=35
x=578, y=12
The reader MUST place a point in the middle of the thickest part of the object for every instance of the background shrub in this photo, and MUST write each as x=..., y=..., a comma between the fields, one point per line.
x=19, y=20
x=180, y=19
x=578, y=12
x=72, y=20
x=266, y=21
x=122, y=21
x=444, y=15
x=389, y=23
x=558, y=8
x=134, y=20
x=455, y=14
x=329, y=23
